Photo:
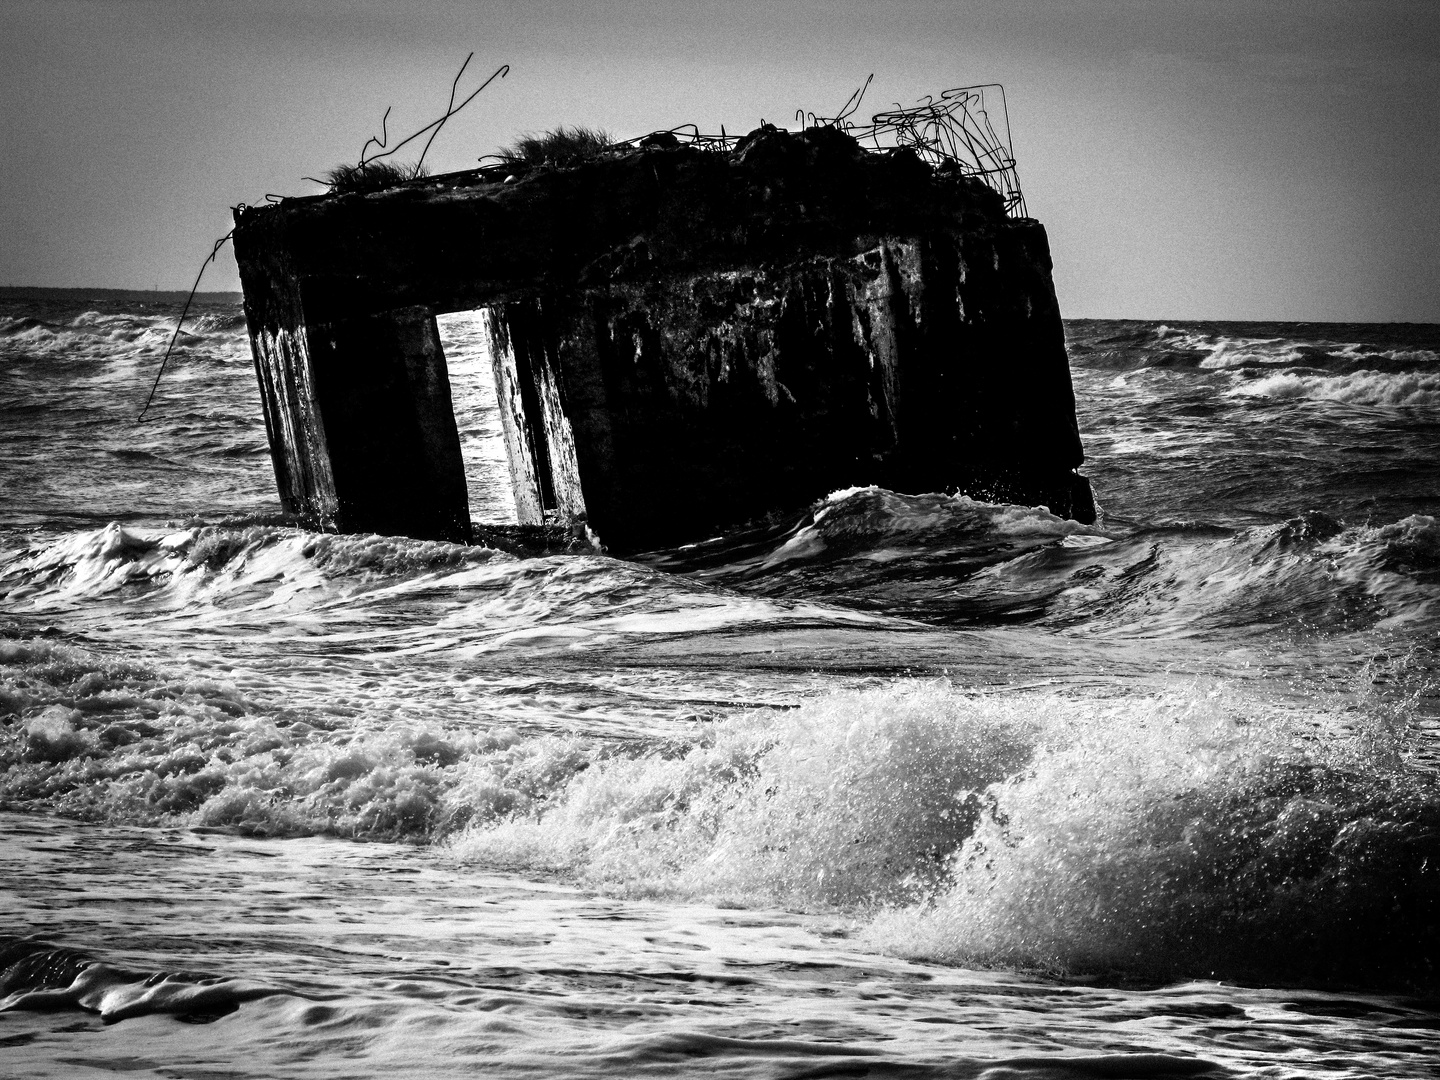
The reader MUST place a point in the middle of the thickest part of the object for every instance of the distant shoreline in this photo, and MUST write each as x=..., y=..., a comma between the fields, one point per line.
x=163, y=296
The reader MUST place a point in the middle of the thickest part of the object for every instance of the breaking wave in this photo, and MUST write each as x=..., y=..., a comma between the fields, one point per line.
x=101, y=336
x=1187, y=834
x=104, y=740
x=1234, y=347
x=93, y=563
x=872, y=530
x=1309, y=575
x=1194, y=837
x=862, y=555
x=474, y=598
x=1363, y=387
x=955, y=560
x=1223, y=351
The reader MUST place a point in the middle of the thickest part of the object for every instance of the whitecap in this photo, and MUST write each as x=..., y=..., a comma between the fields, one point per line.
x=1366, y=387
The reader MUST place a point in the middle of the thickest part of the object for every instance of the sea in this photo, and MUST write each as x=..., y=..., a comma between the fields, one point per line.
x=909, y=785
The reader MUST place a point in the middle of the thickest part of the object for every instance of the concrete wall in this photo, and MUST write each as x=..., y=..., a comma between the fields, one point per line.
x=684, y=341
x=671, y=410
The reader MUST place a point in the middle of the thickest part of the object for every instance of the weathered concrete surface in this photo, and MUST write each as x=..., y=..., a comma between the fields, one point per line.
x=683, y=340
x=697, y=402
x=361, y=427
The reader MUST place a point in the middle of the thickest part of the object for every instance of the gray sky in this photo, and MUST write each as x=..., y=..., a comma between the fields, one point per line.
x=1191, y=159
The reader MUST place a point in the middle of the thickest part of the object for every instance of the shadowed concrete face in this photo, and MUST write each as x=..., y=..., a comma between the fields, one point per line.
x=684, y=340
x=361, y=427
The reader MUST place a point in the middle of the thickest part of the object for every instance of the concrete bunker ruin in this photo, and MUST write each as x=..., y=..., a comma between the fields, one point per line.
x=684, y=339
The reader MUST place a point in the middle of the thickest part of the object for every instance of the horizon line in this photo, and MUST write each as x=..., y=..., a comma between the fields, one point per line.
x=233, y=294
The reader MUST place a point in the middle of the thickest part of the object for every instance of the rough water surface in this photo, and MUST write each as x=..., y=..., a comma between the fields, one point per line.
x=914, y=785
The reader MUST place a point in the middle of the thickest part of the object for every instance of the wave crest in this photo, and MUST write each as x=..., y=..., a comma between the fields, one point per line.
x=1365, y=387
x=100, y=336
x=853, y=798
x=1191, y=834
x=216, y=563
x=1196, y=842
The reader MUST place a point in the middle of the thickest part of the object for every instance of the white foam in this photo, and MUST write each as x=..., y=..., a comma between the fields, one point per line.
x=1378, y=388
x=841, y=801
x=125, y=338
x=1185, y=832
x=1245, y=352
x=1116, y=838
x=1402, y=356
x=1227, y=352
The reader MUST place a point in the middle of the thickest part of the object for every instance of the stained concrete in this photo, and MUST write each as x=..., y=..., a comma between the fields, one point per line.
x=684, y=340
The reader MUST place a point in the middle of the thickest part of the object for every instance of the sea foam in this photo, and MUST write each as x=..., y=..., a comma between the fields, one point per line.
x=1195, y=833
x=1188, y=837
x=1365, y=387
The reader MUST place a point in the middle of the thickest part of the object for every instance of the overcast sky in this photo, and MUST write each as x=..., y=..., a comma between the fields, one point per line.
x=1190, y=159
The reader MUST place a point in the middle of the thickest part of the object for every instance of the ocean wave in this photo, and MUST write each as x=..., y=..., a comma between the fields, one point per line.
x=205, y=563
x=211, y=322
x=10, y=326
x=1365, y=387
x=866, y=555
x=98, y=738
x=873, y=532
x=1211, y=350
x=871, y=517
x=1310, y=575
x=958, y=561
x=1194, y=834
x=1195, y=839
x=1400, y=357
x=388, y=596
x=106, y=740
x=1413, y=542
x=1214, y=347
x=38, y=977
x=100, y=336
x=1398, y=566
x=1232, y=353
x=478, y=597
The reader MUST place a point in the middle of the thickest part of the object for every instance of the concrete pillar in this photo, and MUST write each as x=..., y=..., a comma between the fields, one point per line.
x=539, y=441
x=293, y=425
x=362, y=430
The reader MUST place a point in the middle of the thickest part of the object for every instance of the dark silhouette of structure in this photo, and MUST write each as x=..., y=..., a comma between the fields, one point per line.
x=684, y=339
